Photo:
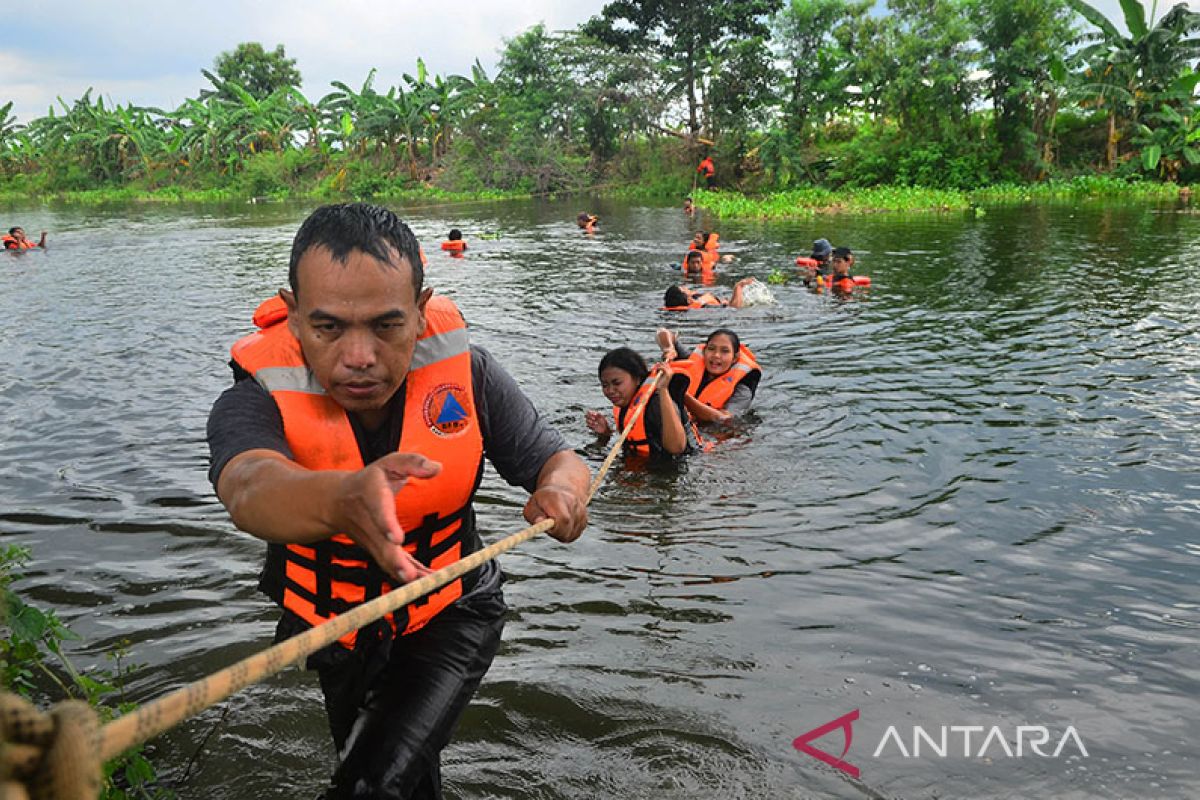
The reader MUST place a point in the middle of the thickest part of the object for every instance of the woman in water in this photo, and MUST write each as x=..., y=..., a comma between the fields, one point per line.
x=660, y=428
x=723, y=374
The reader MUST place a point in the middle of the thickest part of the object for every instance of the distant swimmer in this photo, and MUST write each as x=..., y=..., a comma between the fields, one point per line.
x=723, y=374
x=707, y=244
x=840, y=280
x=696, y=268
x=454, y=243
x=681, y=298
x=689, y=207
x=819, y=263
x=15, y=239
x=660, y=430
x=586, y=221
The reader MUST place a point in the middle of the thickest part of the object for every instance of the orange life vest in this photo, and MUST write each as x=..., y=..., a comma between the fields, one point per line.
x=805, y=261
x=844, y=284
x=716, y=392
x=707, y=167
x=704, y=300
x=706, y=267
x=319, y=581
x=637, y=441
x=454, y=245
x=708, y=252
x=10, y=243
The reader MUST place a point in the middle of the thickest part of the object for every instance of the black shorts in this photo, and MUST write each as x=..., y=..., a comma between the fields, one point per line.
x=393, y=708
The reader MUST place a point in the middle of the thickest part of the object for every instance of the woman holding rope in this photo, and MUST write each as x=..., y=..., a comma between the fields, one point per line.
x=352, y=442
x=629, y=384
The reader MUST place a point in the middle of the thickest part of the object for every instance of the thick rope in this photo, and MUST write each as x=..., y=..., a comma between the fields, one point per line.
x=58, y=756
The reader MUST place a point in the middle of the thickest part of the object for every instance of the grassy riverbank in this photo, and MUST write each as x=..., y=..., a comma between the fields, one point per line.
x=788, y=204
x=808, y=202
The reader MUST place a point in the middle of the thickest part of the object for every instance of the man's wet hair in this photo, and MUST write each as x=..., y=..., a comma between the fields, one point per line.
x=625, y=359
x=674, y=297
x=455, y=235
x=344, y=227
x=13, y=230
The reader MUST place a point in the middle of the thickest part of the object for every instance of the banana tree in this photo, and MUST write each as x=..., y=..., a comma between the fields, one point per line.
x=310, y=116
x=1125, y=73
x=1171, y=139
x=346, y=108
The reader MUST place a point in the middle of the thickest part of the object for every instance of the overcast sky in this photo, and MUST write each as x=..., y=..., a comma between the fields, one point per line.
x=150, y=52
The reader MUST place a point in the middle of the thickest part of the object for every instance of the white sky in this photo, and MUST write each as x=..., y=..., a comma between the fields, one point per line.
x=150, y=52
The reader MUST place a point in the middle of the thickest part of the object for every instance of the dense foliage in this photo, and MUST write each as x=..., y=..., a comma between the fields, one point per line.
x=34, y=665
x=947, y=94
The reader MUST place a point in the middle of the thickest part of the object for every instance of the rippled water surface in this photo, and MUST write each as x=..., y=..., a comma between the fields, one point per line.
x=968, y=496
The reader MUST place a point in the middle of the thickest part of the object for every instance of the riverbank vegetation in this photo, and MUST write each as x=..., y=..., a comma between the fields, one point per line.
x=34, y=665
x=806, y=104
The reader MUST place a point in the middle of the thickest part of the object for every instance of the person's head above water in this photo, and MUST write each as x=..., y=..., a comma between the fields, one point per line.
x=356, y=305
x=675, y=297
x=455, y=235
x=843, y=260
x=720, y=351
x=822, y=250
x=621, y=372
x=693, y=261
x=345, y=227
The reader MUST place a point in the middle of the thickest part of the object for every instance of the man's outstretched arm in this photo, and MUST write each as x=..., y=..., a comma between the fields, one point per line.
x=277, y=500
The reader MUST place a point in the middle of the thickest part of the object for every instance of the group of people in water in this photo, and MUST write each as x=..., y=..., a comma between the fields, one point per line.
x=16, y=239
x=711, y=383
x=716, y=380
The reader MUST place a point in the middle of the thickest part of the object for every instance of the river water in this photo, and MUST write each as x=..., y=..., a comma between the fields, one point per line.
x=968, y=496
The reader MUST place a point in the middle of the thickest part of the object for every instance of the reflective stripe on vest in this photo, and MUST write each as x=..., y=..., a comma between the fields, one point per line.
x=330, y=577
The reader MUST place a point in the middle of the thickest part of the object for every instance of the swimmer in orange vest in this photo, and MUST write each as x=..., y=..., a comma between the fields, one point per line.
x=840, y=280
x=818, y=264
x=723, y=374
x=697, y=268
x=454, y=243
x=708, y=170
x=587, y=222
x=662, y=427
x=15, y=239
x=681, y=298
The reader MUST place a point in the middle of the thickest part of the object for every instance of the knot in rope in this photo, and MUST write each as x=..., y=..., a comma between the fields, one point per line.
x=48, y=756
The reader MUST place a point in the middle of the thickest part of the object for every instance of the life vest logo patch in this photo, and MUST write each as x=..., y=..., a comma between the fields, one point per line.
x=445, y=411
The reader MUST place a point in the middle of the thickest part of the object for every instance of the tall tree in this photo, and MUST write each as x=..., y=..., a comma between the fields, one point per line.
x=1022, y=42
x=930, y=89
x=819, y=62
x=258, y=72
x=685, y=34
x=740, y=93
